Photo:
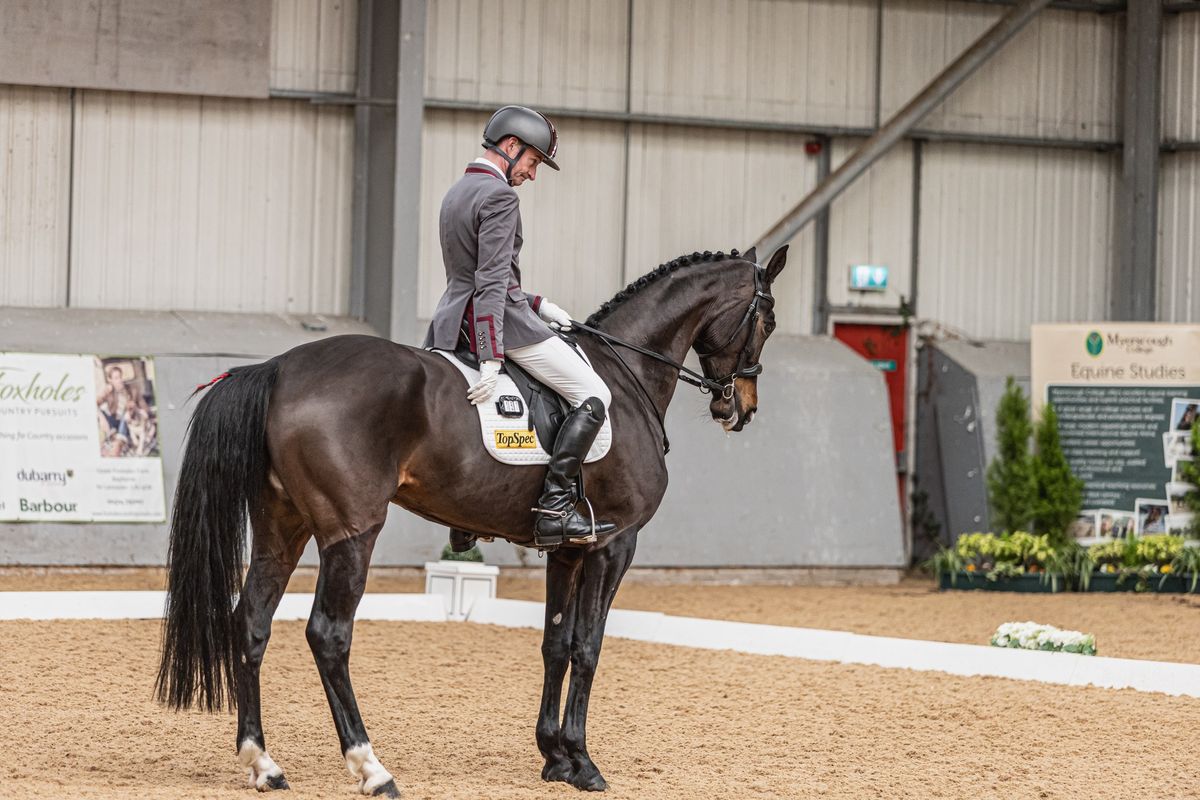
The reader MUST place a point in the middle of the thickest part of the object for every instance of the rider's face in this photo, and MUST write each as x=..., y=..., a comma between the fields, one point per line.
x=526, y=167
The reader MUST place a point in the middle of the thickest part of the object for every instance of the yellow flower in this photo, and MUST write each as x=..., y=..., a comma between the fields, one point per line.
x=1165, y=568
x=970, y=567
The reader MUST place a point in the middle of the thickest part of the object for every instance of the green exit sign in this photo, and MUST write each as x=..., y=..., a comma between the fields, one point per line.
x=884, y=364
x=868, y=277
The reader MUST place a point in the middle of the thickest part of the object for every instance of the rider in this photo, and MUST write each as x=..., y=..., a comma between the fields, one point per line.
x=480, y=227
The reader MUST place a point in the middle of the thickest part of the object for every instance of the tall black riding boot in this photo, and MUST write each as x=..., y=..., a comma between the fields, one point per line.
x=558, y=522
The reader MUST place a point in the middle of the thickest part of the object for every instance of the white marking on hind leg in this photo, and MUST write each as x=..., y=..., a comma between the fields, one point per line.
x=261, y=766
x=363, y=764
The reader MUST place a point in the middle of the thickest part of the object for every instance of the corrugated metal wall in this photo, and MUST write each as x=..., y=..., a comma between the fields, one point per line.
x=207, y=203
x=186, y=202
x=809, y=62
x=35, y=147
x=314, y=45
x=1179, y=241
x=1011, y=236
x=1181, y=77
x=871, y=223
x=1057, y=78
x=704, y=189
x=550, y=53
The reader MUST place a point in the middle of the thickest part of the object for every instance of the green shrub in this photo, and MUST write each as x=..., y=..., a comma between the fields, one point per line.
x=1012, y=489
x=1059, y=493
x=474, y=554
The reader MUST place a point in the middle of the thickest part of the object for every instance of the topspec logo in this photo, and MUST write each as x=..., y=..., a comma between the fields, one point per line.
x=1095, y=343
x=45, y=478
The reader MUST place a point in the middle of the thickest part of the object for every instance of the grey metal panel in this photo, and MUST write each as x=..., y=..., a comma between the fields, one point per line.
x=1056, y=78
x=557, y=53
x=959, y=389
x=35, y=170
x=711, y=189
x=207, y=47
x=805, y=61
x=1181, y=77
x=313, y=45
x=572, y=219
x=1012, y=236
x=1179, y=245
x=871, y=223
x=208, y=203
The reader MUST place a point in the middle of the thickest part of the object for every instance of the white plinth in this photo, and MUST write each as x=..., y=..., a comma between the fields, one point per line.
x=460, y=583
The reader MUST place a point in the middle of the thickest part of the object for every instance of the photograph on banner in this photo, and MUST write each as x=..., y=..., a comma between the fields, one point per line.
x=1083, y=529
x=126, y=411
x=1114, y=524
x=1181, y=524
x=1176, y=445
x=1177, y=493
x=80, y=439
x=1151, y=516
x=1184, y=411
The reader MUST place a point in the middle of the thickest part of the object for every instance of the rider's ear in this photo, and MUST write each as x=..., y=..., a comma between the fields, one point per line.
x=777, y=261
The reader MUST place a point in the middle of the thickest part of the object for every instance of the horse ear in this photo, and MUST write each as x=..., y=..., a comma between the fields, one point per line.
x=751, y=255
x=777, y=262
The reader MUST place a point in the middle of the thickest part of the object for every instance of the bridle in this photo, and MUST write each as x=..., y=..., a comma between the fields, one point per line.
x=724, y=386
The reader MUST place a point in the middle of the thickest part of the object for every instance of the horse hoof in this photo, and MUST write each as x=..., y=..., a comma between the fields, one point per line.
x=274, y=782
x=386, y=790
x=589, y=779
x=557, y=771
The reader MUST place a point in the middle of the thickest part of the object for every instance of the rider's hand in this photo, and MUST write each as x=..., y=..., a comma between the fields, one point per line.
x=557, y=319
x=489, y=375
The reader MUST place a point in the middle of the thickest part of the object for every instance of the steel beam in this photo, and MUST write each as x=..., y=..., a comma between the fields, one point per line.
x=1133, y=283
x=406, y=224
x=901, y=123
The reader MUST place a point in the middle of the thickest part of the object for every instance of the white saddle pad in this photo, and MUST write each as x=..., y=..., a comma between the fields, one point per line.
x=509, y=440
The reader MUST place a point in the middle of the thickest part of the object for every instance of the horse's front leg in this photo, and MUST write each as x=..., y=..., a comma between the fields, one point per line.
x=603, y=570
x=340, y=584
x=562, y=579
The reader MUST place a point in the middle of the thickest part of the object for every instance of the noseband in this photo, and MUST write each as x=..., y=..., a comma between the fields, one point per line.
x=725, y=386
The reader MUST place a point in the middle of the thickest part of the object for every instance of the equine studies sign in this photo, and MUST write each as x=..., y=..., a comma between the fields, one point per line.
x=79, y=439
x=1127, y=396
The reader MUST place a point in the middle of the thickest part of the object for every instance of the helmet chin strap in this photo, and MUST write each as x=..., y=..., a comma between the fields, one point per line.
x=512, y=162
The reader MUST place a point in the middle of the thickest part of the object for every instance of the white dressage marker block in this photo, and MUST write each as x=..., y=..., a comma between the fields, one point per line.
x=150, y=605
x=879, y=651
x=460, y=584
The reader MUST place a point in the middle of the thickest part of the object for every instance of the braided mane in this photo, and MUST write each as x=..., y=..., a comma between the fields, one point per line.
x=629, y=291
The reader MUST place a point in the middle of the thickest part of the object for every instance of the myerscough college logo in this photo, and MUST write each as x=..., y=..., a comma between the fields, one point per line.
x=1095, y=343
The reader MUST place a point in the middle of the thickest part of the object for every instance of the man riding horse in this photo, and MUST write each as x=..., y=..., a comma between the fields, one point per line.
x=480, y=226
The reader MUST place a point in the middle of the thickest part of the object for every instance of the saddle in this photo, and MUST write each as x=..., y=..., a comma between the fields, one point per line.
x=521, y=421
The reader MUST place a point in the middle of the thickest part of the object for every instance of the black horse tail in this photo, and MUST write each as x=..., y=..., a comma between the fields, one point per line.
x=224, y=469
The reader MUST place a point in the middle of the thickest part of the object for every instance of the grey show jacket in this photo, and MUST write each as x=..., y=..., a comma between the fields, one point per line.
x=481, y=241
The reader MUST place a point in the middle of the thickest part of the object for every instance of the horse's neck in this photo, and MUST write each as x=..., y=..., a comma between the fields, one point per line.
x=665, y=318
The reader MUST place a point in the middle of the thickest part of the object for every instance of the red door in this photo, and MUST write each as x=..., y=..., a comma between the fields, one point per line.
x=885, y=346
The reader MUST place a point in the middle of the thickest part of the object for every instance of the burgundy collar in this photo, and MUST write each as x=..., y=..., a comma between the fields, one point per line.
x=480, y=170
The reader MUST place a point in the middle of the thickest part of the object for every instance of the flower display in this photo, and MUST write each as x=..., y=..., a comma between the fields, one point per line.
x=1032, y=636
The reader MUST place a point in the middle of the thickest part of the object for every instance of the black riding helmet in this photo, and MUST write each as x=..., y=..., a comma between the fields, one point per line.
x=530, y=127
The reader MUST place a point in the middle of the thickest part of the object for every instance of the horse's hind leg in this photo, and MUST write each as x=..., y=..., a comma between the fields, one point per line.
x=340, y=585
x=278, y=542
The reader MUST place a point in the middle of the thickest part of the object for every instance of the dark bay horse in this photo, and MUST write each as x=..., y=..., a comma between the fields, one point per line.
x=315, y=443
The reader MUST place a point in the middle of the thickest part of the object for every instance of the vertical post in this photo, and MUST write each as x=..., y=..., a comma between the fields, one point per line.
x=1133, y=286
x=820, y=322
x=406, y=227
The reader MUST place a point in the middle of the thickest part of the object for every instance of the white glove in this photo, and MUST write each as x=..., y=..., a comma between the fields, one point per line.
x=557, y=318
x=489, y=375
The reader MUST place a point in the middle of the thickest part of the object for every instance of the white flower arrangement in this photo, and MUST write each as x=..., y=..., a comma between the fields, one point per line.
x=1032, y=636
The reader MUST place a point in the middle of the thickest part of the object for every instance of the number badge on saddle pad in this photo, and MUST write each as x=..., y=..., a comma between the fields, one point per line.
x=508, y=435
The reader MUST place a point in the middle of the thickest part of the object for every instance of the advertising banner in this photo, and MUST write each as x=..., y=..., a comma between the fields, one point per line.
x=79, y=439
x=1127, y=396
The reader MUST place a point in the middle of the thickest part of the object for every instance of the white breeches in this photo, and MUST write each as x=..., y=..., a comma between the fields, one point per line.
x=555, y=364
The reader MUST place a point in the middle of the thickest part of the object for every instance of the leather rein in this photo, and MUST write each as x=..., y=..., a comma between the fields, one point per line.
x=724, y=386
